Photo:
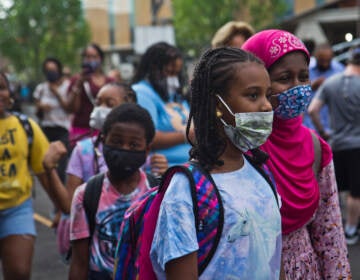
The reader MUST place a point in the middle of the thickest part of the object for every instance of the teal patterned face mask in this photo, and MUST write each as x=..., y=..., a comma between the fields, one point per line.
x=251, y=129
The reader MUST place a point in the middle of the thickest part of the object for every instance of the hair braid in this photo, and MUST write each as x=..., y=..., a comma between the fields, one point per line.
x=213, y=75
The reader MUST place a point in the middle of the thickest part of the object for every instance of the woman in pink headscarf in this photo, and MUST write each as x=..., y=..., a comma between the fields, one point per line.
x=313, y=239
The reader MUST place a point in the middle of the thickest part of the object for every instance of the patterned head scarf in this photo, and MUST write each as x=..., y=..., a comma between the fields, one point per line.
x=270, y=45
x=295, y=178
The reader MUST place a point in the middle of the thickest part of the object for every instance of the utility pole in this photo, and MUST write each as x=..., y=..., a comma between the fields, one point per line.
x=111, y=22
x=155, y=7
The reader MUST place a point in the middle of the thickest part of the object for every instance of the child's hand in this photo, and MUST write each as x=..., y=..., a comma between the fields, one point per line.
x=158, y=164
x=55, y=152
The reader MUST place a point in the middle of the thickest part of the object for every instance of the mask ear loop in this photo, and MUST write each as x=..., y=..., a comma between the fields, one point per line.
x=226, y=106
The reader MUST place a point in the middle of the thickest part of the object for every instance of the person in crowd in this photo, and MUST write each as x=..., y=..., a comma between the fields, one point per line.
x=341, y=93
x=231, y=115
x=67, y=73
x=115, y=75
x=322, y=67
x=157, y=87
x=232, y=34
x=87, y=157
x=83, y=90
x=51, y=102
x=313, y=239
x=128, y=132
x=22, y=148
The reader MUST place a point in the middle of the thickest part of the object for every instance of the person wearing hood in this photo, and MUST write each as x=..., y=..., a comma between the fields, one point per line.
x=313, y=239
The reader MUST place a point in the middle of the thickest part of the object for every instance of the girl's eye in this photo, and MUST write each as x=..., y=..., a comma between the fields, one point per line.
x=134, y=145
x=284, y=78
x=253, y=95
x=304, y=78
x=110, y=104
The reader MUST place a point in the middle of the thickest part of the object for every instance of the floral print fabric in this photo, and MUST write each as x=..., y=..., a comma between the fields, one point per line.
x=318, y=249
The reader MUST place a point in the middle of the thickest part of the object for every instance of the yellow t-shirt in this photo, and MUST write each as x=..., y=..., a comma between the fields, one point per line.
x=15, y=177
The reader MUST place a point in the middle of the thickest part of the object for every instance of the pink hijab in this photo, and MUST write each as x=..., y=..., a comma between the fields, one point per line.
x=290, y=145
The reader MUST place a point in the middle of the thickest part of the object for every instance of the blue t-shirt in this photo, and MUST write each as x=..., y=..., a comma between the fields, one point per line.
x=315, y=73
x=167, y=117
x=250, y=250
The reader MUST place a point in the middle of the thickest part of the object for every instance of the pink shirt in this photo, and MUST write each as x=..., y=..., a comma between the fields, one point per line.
x=109, y=215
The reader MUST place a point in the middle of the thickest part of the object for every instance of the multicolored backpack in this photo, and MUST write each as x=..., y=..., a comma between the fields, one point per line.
x=133, y=251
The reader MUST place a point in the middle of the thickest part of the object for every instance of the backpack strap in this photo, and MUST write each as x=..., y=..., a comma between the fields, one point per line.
x=25, y=123
x=209, y=214
x=91, y=199
x=207, y=206
x=317, y=152
x=266, y=175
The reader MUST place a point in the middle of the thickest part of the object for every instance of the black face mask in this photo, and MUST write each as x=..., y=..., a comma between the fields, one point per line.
x=52, y=76
x=122, y=163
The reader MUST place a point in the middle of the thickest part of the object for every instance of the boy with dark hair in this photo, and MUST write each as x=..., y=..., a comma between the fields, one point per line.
x=127, y=135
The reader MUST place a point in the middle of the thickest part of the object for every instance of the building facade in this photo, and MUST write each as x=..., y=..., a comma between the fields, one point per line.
x=331, y=21
x=125, y=28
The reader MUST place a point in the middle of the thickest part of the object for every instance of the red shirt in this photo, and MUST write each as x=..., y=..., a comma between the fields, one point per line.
x=82, y=116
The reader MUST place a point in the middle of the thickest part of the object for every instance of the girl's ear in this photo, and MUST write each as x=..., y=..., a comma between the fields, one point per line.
x=219, y=109
x=148, y=148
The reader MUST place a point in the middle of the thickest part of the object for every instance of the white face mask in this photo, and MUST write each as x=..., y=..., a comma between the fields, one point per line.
x=172, y=84
x=98, y=116
x=251, y=129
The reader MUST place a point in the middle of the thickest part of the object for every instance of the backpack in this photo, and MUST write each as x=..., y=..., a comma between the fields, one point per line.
x=92, y=196
x=91, y=200
x=133, y=252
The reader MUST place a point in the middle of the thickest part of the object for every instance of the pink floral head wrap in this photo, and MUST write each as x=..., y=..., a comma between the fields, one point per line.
x=290, y=145
x=270, y=45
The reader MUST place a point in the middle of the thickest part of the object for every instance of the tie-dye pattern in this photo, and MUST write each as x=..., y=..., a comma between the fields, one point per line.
x=110, y=213
x=250, y=246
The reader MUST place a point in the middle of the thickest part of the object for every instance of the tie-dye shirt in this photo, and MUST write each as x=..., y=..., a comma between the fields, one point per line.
x=111, y=209
x=82, y=161
x=250, y=244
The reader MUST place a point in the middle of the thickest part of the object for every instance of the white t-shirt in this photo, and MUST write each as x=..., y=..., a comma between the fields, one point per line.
x=250, y=250
x=57, y=116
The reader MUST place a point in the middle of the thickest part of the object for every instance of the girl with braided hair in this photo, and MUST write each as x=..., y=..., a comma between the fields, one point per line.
x=231, y=115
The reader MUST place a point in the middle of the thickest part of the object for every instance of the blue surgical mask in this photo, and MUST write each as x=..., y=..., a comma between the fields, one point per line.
x=293, y=102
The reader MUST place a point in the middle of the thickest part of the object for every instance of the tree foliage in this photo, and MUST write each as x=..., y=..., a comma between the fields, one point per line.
x=32, y=30
x=197, y=21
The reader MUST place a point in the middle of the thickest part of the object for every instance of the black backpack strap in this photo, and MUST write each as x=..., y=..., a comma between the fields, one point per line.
x=153, y=181
x=91, y=199
x=263, y=173
x=25, y=123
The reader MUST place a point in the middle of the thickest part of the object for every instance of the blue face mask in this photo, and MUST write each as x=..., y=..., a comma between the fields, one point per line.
x=293, y=102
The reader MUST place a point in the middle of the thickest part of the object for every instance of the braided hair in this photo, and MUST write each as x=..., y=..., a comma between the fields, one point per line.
x=213, y=75
x=152, y=65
